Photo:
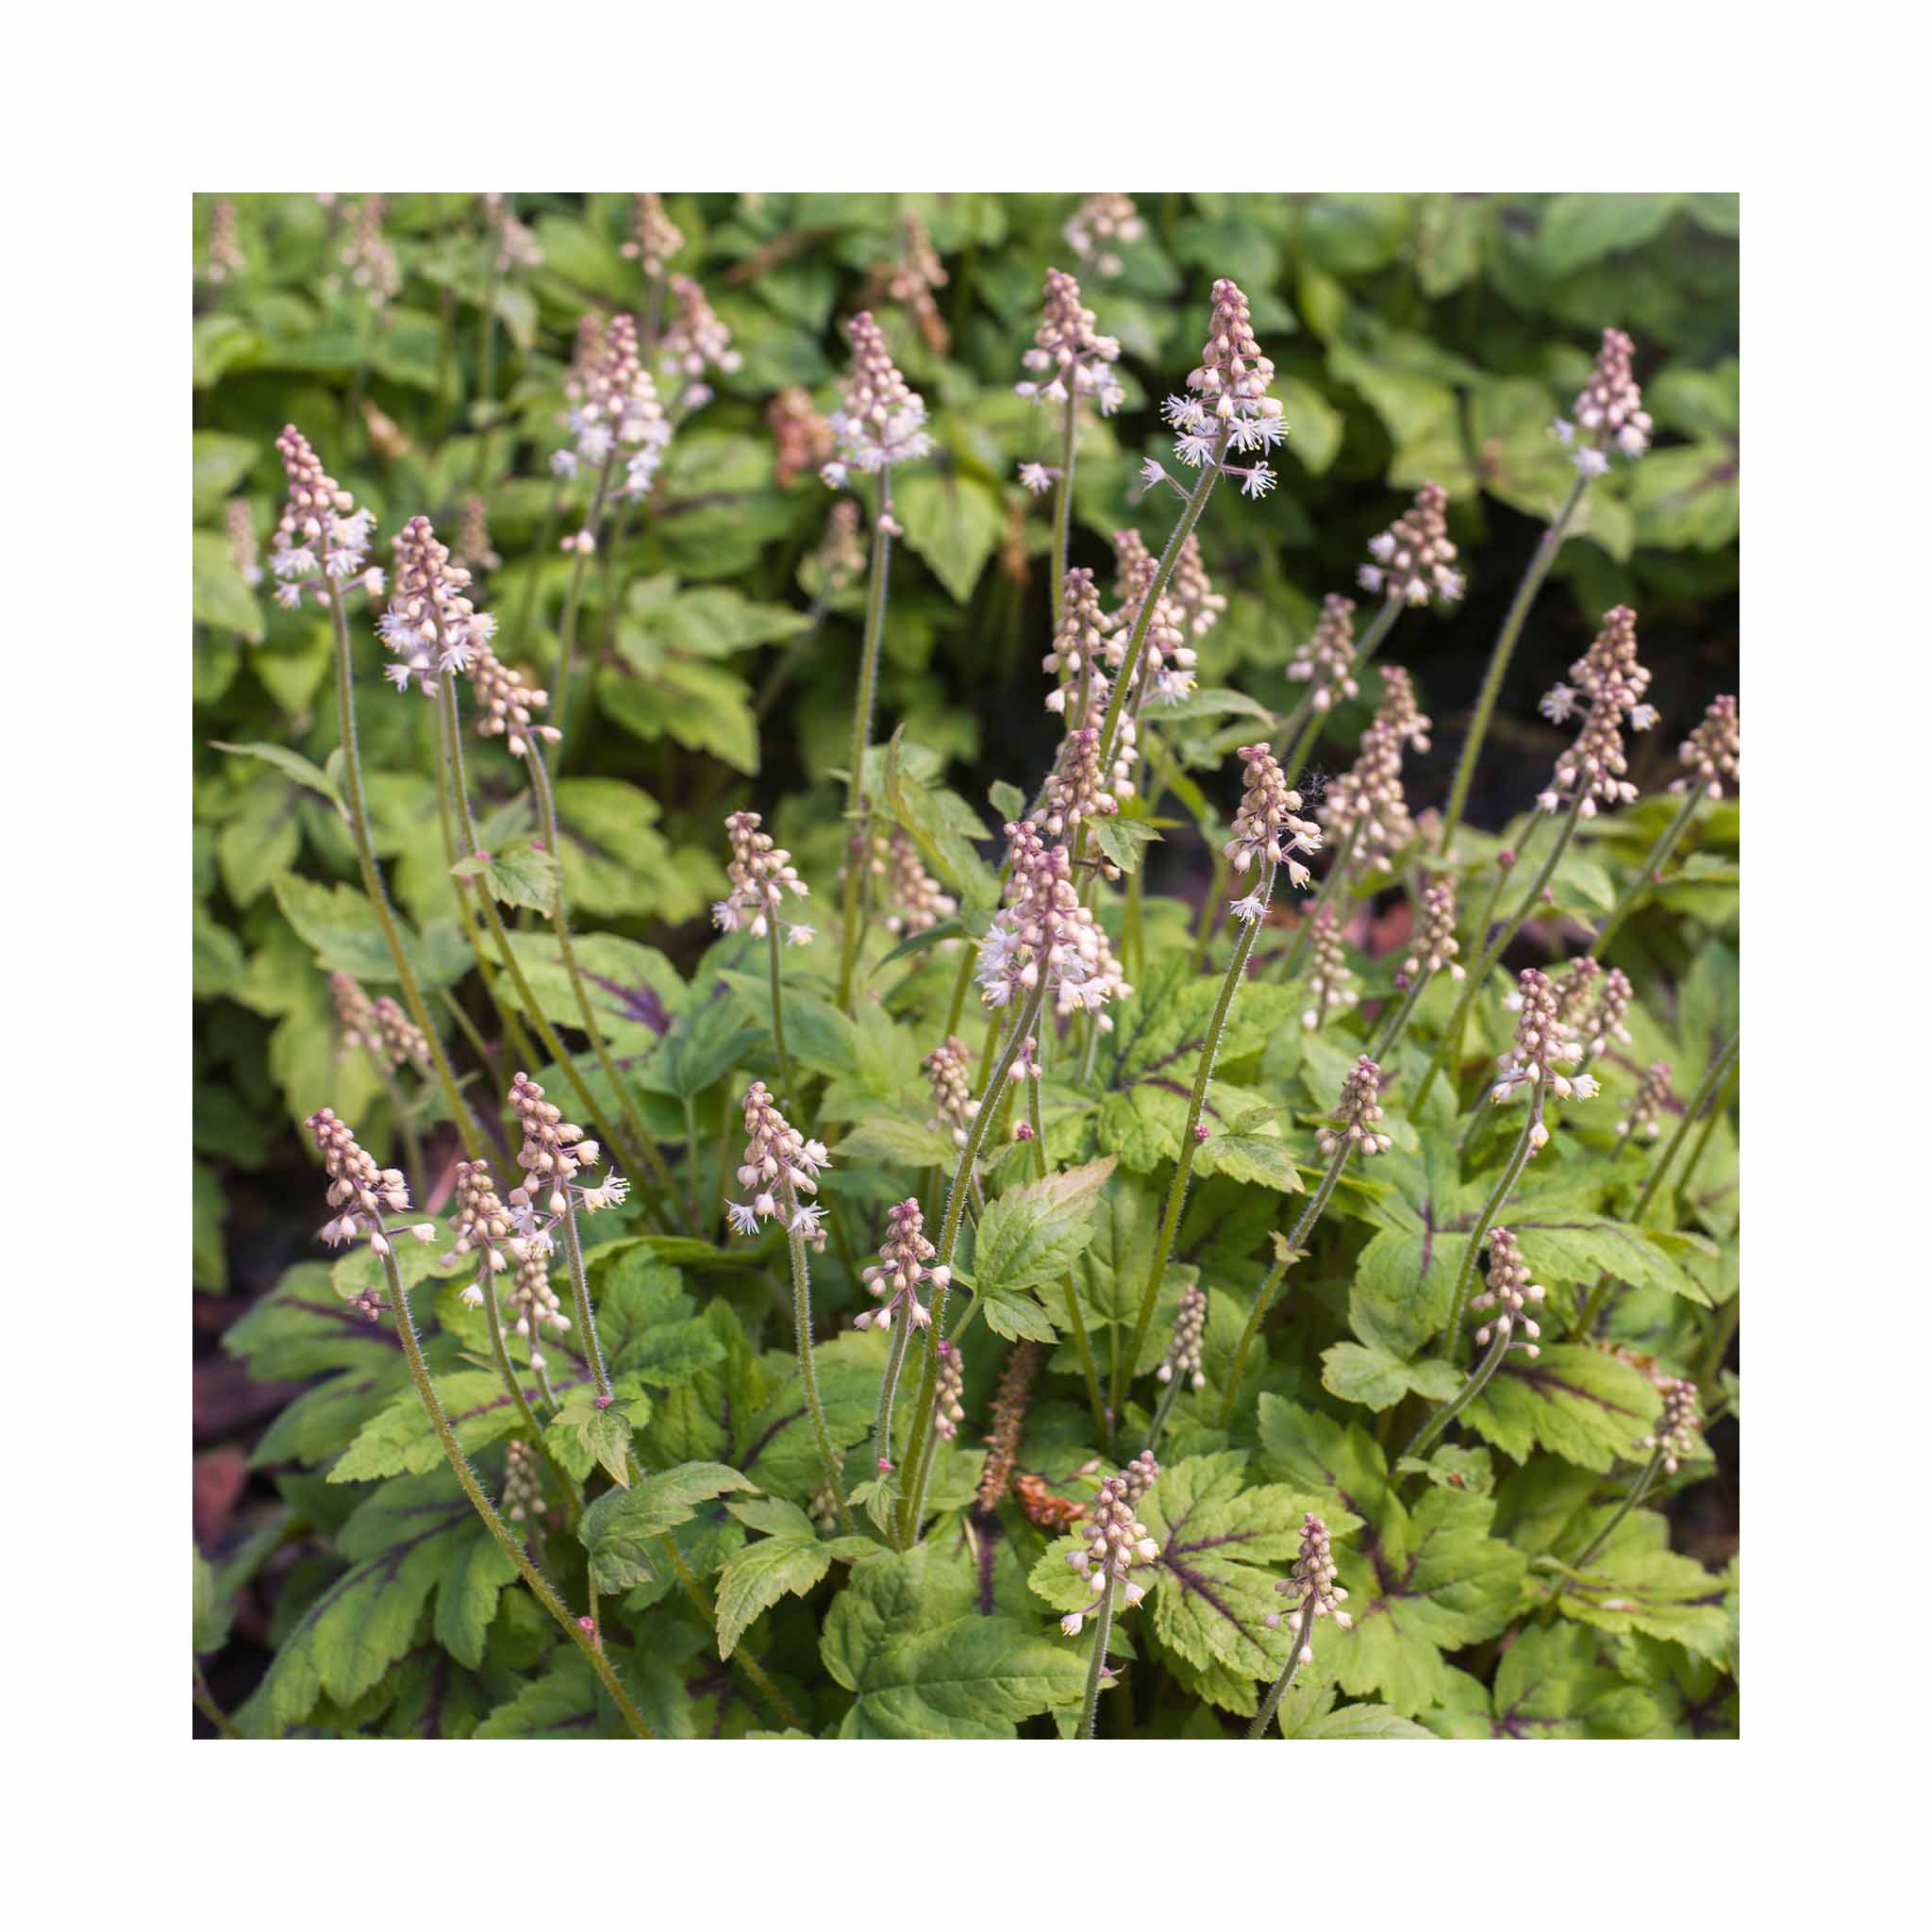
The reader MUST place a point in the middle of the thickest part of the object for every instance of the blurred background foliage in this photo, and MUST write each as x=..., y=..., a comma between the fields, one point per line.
x=1416, y=337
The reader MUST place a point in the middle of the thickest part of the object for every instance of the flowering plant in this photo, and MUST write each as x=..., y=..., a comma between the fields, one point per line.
x=1224, y=1227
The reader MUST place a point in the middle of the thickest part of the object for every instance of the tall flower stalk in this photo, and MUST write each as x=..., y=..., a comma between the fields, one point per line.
x=1510, y=1293
x=1312, y=1582
x=1610, y=414
x=1114, y=1545
x=880, y=421
x=361, y=1192
x=1354, y=1132
x=1610, y=684
x=1267, y=831
x=322, y=545
x=761, y=873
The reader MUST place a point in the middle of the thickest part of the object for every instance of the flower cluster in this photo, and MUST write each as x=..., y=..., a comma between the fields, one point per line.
x=1331, y=984
x=1075, y=789
x=1080, y=638
x=1436, y=946
x=1677, y=1428
x=1711, y=750
x=225, y=255
x=322, y=534
x=1139, y=1476
x=1412, y=557
x=243, y=551
x=1267, y=826
x=1116, y=1544
x=654, y=237
x=1366, y=804
x=359, y=1187
x=760, y=873
x=533, y=1302
x=614, y=409
x=505, y=701
x=1542, y=1044
x=914, y=899
x=1183, y=1356
x=1356, y=1113
x=1572, y=992
x=1510, y=1291
x=948, y=1410
x=553, y=1153
x=694, y=342
x=1195, y=598
x=946, y=1068
x=430, y=623
x=895, y=1279
x=1099, y=223
x=484, y=1227
x=1228, y=404
x=1310, y=1585
x=1605, y=1021
x=366, y=254
x=1327, y=660
x=911, y=280
x=779, y=1165
x=1068, y=358
x=1167, y=659
x=1610, y=410
x=1043, y=932
x=515, y=243
x=522, y=1483
x=803, y=437
x=879, y=421
x=474, y=550
x=1644, y=1114
x=1609, y=687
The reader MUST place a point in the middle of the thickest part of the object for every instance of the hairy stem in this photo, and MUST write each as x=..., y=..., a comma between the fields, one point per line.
x=1184, y=1161
x=1272, y=1703
x=807, y=1365
x=1505, y=1186
x=1539, y=562
x=1096, y=1668
x=1264, y=1295
x=1299, y=950
x=1063, y=504
x=1635, y=891
x=371, y=877
x=567, y=636
x=1373, y=639
x=861, y=737
x=1478, y=1380
x=779, y=1013
x=512, y=1545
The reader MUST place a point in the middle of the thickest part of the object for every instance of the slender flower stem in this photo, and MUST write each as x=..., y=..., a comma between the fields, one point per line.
x=1714, y=1076
x=513, y=1547
x=1096, y=1668
x=779, y=1013
x=1635, y=891
x=567, y=636
x=791, y=657
x=1336, y=871
x=1698, y=1146
x=406, y=1126
x=372, y=877
x=1063, y=505
x=1636, y=1494
x=808, y=1366
x=1124, y=679
x=1539, y=562
x=500, y=936
x=949, y=1237
x=533, y=1429
x=1492, y=1207
x=560, y=918
x=706, y=1609
x=889, y=1389
x=861, y=736
x=1075, y=1320
x=546, y=536
x=1161, y=1410
x=585, y=1315
x=1479, y=973
x=1373, y=639
x=1184, y=1160
x=1272, y=1703
x=1264, y=1295
x=1725, y=1327
x=1398, y=1021
x=1478, y=1380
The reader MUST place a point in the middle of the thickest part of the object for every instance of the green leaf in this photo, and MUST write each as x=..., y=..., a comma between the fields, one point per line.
x=922, y=1663
x=1032, y=1234
x=1578, y=229
x=338, y=923
x=1378, y=1379
x=619, y=1527
x=760, y=1574
x=952, y=522
x=220, y=463
x=582, y=1436
x=1123, y=841
x=220, y=595
x=1314, y=425
x=1580, y=1404
x=520, y=875
x=291, y=764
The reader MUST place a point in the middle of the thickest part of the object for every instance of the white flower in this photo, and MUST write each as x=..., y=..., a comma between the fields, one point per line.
x=472, y=1298
x=1585, y=1087
x=1257, y=481
x=1559, y=702
x=1195, y=448
x=1152, y=472
x=1249, y=909
x=1036, y=477
x=724, y=915
x=1564, y=432
x=1072, y=1623
x=744, y=1220
x=1643, y=717
x=1369, y=578
x=806, y=1220
x=1591, y=462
